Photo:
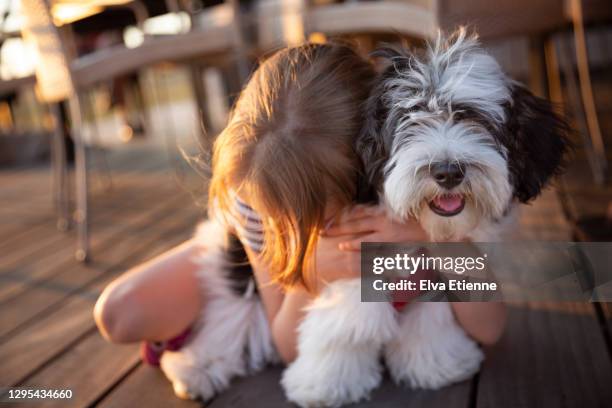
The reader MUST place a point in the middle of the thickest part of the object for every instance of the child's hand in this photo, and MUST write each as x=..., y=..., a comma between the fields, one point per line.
x=371, y=224
x=332, y=264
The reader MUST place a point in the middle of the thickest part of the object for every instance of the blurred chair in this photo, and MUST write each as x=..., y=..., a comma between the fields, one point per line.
x=54, y=84
x=290, y=22
x=408, y=18
x=64, y=79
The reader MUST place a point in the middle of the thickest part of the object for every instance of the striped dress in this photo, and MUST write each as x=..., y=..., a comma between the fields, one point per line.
x=247, y=225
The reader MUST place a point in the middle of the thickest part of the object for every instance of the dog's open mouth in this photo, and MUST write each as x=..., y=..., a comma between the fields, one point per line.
x=447, y=205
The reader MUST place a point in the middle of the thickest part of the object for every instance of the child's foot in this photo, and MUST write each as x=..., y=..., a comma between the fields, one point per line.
x=151, y=351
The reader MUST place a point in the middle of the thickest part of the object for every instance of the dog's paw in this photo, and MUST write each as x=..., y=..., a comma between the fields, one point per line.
x=189, y=381
x=332, y=379
x=436, y=365
x=339, y=318
x=431, y=350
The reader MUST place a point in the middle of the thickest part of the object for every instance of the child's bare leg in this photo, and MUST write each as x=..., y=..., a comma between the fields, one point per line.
x=154, y=301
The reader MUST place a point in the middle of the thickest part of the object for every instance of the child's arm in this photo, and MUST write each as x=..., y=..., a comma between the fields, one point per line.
x=285, y=311
x=483, y=321
x=272, y=295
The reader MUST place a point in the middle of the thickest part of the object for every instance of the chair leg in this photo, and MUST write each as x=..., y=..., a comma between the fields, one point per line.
x=200, y=96
x=575, y=102
x=555, y=94
x=81, y=180
x=553, y=75
x=98, y=154
x=60, y=171
x=586, y=90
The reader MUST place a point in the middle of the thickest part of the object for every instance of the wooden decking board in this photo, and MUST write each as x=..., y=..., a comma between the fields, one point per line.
x=36, y=300
x=125, y=209
x=84, y=374
x=48, y=335
x=16, y=227
x=265, y=388
x=123, y=196
x=106, y=227
x=39, y=243
x=101, y=238
x=605, y=309
x=547, y=358
x=85, y=369
x=158, y=393
x=40, y=341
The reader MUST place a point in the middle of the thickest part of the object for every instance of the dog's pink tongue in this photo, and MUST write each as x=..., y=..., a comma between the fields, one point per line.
x=449, y=202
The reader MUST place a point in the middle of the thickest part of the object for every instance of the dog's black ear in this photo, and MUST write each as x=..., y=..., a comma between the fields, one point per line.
x=370, y=144
x=536, y=138
x=374, y=141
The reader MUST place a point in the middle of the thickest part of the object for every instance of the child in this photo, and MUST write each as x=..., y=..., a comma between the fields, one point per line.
x=284, y=169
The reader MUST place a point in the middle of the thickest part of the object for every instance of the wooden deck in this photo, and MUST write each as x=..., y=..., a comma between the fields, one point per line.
x=554, y=355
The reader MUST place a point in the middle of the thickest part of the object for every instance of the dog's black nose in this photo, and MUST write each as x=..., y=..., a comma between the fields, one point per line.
x=447, y=175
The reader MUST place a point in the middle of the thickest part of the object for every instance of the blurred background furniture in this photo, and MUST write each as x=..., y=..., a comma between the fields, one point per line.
x=218, y=37
x=545, y=19
x=125, y=58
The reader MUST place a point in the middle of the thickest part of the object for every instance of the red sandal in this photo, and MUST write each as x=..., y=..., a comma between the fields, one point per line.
x=151, y=351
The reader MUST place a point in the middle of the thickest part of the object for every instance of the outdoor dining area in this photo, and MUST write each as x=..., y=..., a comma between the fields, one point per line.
x=106, y=105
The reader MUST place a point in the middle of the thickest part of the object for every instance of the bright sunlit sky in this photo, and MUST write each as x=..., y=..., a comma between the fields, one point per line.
x=16, y=59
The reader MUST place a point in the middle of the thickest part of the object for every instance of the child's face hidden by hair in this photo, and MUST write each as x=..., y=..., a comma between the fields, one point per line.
x=288, y=149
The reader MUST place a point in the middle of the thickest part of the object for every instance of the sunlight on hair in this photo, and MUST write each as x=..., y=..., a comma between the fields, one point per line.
x=317, y=38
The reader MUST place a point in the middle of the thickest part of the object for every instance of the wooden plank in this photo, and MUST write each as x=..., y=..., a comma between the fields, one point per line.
x=30, y=210
x=86, y=369
x=606, y=308
x=125, y=191
x=130, y=393
x=48, y=336
x=36, y=300
x=552, y=355
x=46, y=238
x=92, y=366
x=265, y=388
x=26, y=352
x=18, y=271
x=130, y=193
x=14, y=227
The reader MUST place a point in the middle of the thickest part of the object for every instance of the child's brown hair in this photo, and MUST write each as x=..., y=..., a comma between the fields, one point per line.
x=288, y=148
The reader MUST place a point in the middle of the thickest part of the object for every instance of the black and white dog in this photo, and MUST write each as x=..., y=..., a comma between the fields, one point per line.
x=449, y=140
x=453, y=142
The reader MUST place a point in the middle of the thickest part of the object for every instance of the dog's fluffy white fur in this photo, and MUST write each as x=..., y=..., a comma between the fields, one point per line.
x=232, y=337
x=453, y=104
x=339, y=347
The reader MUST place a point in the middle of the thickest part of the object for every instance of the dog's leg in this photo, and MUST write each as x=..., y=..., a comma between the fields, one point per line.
x=222, y=348
x=232, y=337
x=339, y=347
x=430, y=350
